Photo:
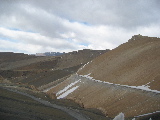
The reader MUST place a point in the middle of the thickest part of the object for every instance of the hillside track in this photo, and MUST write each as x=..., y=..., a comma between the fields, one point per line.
x=72, y=112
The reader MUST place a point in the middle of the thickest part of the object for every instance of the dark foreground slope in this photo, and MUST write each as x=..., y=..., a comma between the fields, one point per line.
x=14, y=106
x=20, y=103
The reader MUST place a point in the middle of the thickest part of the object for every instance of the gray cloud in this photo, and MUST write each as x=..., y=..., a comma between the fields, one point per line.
x=126, y=13
x=63, y=25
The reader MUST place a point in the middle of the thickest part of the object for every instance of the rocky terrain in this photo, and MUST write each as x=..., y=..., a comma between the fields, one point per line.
x=88, y=84
x=39, y=71
x=125, y=80
x=24, y=77
x=134, y=63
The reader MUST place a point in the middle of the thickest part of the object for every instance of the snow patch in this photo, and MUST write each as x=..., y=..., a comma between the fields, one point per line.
x=84, y=65
x=119, y=117
x=147, y=114
x=66, y=88
x=143, y=87
x=87, y=76
x=67, y=92
x=46, y=90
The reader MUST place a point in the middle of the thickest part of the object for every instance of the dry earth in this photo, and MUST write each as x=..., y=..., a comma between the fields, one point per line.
x=135, y=63
x=40, y=71
x=107, y=82
x=24, y=72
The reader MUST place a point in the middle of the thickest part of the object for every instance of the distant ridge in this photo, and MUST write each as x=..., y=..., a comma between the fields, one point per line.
x=49, y=54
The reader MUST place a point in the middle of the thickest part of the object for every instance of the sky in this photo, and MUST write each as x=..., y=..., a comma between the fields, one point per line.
x=38, y=26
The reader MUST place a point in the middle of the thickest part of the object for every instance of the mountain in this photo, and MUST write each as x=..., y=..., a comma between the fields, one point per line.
x=122, y=82
x=49, y=54
x=39, y=71
x=134, y=63
x=125, y=79
x=24, y=77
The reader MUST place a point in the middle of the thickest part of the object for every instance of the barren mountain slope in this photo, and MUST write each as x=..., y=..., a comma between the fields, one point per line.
x=134, y=63
x=12, y=57
x=27, y=71
x=109, y=98
x=39, y=71
x=78, y=58
x=125, y=79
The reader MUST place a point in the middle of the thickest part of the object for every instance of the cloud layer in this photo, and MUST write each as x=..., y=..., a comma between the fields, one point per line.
x=32, y=26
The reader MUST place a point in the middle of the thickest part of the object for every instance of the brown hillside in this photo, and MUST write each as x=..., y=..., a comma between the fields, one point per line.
x=134, y=63
x=39, y=71
x=12, y=57
x=109, y=98
x=78, y=58
x=116, y=75
x=20, y=61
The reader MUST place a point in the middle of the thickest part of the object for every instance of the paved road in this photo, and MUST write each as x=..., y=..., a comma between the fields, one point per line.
x=74, y=113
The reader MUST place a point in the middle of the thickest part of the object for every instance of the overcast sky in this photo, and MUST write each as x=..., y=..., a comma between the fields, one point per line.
x=35, y=26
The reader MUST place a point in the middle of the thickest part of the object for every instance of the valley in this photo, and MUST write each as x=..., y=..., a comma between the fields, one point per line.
x=84, y=84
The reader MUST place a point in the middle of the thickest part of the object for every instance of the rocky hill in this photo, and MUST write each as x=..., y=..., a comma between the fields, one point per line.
x=125, y=80
x=13, y=57
x=39, y=71
x=24, y=77
x=134, y=63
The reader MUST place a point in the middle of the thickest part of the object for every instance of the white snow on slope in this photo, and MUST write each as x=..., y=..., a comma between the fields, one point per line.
x=83, y=66
x=143, y=87
x=147, y=114
x=46, y=90
x=119, y=117
x=67, y=92
x=66, y=88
